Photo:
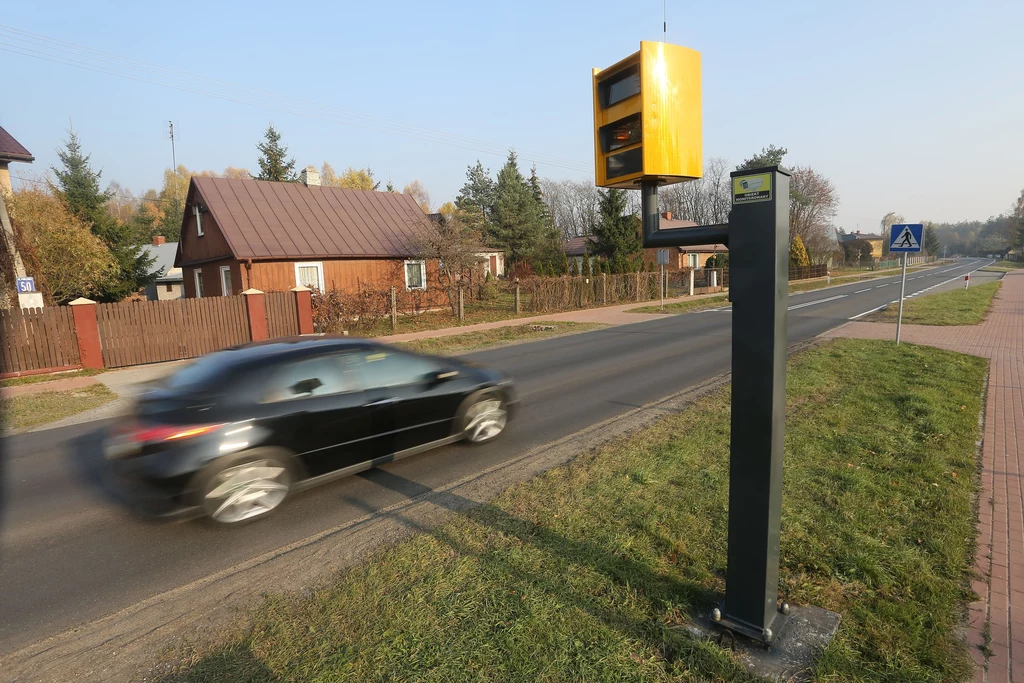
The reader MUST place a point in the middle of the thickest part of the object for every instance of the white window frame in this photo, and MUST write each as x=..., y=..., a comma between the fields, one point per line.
x=423, y=273
x=224, y=289
x=199, y=220
x=197, y=275
x=319, y=265
x=694, y=260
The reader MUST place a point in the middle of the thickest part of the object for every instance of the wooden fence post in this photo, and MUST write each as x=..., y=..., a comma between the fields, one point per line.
x=604, y=289
x=87, y=330
x=256, y=308
x=638, y=286
x=304, y=307
x=462, y=309
x=517, y=305
x=394, y=309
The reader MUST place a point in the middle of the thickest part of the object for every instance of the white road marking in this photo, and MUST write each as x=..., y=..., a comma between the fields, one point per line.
x=861, y=291
x=880, y=286
x=815, y=303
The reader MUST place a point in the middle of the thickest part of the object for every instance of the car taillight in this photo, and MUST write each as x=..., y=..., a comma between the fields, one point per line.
x=169, y=432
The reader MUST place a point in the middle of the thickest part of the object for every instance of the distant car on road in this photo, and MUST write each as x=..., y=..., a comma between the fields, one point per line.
x=233, y=433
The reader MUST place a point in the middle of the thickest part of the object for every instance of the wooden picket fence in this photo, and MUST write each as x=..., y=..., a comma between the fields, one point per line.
x=282, y=314
x=37, y=339
x=137, y=332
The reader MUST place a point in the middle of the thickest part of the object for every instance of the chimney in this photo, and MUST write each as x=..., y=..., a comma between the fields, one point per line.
x=857, y=233
x=310, y=177
x=667, y=215
x=158, y=240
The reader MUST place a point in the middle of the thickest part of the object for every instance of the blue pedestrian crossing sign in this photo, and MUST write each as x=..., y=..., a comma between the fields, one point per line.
x=906, y=237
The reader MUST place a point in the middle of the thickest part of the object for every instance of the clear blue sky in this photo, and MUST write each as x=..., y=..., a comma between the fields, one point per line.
x=914, y=107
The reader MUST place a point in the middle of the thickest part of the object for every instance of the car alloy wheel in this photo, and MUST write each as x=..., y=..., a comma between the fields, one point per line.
x=485, y=420
x=246, y=491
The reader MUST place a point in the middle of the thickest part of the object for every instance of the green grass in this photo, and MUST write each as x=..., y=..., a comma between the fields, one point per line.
x=810, y=285
x=956, y=307
x=1005, y=266
x=589, y=571
x=35, y=379
x=472, y=341
x=684, y=306
x=31, y=410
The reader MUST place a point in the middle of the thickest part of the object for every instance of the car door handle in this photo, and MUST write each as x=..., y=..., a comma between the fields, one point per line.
x=381, y=402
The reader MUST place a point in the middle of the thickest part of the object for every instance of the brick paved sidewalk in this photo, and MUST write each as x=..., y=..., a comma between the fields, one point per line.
x=1000, y=554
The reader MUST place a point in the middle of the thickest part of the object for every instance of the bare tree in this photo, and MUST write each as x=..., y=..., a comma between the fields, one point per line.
x=813, y=203
x=419, y=193
x=705, y=201
x=573, y=205
x=455, y=244
x=888, y=220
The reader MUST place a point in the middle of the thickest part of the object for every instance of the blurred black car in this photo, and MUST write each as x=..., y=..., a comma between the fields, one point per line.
x=236, y=431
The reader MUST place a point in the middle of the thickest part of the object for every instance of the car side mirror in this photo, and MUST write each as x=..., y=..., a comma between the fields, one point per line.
x=441, y=376
x=306, y=386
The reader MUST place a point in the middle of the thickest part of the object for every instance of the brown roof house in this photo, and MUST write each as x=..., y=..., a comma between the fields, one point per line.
x=254, y=234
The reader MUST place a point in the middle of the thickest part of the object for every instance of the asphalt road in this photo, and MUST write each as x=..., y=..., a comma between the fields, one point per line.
x=70, y=554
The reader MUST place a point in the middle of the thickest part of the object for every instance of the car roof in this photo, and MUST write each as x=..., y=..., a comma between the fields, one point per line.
x=283, y=349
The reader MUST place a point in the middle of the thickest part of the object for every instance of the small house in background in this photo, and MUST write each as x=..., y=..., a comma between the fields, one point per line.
x=492, y=261
x=168, y=284
x=272, y=236
x=874, y=240
x=680, y=258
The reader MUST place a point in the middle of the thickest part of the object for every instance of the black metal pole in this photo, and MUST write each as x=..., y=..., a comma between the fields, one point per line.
x=758, y=279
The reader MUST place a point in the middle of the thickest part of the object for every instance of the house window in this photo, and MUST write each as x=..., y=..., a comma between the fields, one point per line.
x=694, y=260
x=415, y=275
x=199, y=220
x=198, y=275
x=168, y=287
x=225, y=280
x=310, y=274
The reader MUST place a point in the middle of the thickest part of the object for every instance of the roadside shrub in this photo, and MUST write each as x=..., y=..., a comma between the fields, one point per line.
x=337, y=311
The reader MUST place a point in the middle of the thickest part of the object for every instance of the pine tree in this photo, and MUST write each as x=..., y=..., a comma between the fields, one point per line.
x=617, y=235
x=478, y=191
x=931, y=241
x=798, y=257
x=587, y=269
x=78, y=186
x=517, y=222
x=273, y=161
x=573, y=269
x=390, y=187
x=563, y=264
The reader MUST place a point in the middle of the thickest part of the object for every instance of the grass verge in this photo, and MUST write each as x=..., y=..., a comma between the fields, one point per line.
x=588, y=572
x=685, y=306
x=1005, y=266
x=31, y=410
x=36, y=379
x=501, y=336
x=808, y=286
x=956, y=307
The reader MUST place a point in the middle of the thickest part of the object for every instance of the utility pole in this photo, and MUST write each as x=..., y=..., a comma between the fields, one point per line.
x=174, y=166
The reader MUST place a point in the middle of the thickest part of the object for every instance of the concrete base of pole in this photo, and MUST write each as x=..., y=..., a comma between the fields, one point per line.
x=801, y=637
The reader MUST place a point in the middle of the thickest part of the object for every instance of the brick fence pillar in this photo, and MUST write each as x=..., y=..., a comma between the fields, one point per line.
x=256, y=308
x=87, y=330
x=304, y=305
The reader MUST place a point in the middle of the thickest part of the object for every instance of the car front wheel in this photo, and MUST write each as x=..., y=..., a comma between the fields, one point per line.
x=246, y=489
x=485, y=419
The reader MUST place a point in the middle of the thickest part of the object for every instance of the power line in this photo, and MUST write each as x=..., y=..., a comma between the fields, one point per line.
x=43, y=47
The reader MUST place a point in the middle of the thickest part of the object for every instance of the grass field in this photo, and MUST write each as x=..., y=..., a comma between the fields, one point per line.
x=590, y=571
x=501, y=336
x=35, y=379
x=956, y=307
x=684, y=306
x=1005, y=266
x=30, y=410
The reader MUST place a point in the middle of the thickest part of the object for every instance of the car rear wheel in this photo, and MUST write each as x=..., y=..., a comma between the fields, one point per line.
x=247, y=489
x=485, y=419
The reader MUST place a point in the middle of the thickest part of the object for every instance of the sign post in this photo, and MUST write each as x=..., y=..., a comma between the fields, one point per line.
x=904, y=238
x=662, y=260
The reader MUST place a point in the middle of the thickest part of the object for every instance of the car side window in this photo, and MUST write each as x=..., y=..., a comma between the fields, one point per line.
x=381, y=368
x=319, y=376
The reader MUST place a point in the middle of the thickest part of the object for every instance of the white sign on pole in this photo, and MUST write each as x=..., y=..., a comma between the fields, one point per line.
x=663, y=257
